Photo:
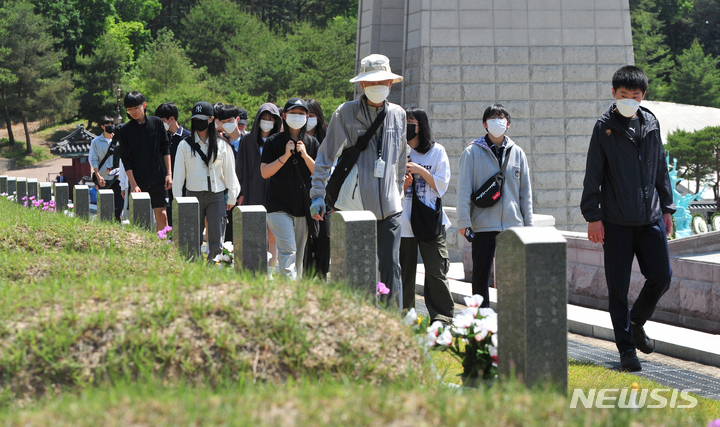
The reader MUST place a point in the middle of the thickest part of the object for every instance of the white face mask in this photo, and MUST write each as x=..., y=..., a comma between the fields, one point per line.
x=267, y=125
x=312, y=122
x=627, y=107
x=229, y=127
x=295, y=121
x=167, y=126
x=377, y=93
x=497, y=127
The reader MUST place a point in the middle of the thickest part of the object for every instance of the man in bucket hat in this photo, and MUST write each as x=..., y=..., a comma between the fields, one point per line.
x=375, y=182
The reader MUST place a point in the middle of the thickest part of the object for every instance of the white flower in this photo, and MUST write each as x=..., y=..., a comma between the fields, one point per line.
x=473, y=301
x=492, y=350
x=470, y=311
x=410, y=318
x=228, y=246
x=481, y=334
x=463, y=320
x=485, y=312
x=493, y=339
x=217, y=258
x=460, y=331
x=428, y=340
x=445, y=338
x=225, y=258
x=434, y=328
x=125, y=222
x=489, y=323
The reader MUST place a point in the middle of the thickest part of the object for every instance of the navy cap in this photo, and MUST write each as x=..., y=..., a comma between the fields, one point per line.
x=202, y=110
x=295, y=102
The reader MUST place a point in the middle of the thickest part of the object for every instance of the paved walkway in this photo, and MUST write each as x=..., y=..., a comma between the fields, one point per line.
x=41, y=171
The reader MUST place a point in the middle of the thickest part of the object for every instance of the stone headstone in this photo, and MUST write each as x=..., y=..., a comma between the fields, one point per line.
x=45, y=191
x=106, y=205
x=32, y=189
x=62, y=194
x=141, y=213
x=186, y=229
x=81, y=201
x=21, y=190
x=3, y=184
x=531, y=275
x=354, y=249
x=250, y=245
x=11, y=185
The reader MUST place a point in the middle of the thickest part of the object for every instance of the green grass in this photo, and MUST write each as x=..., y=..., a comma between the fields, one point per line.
x=108, y=325
x=56, y=131
x=17, y=152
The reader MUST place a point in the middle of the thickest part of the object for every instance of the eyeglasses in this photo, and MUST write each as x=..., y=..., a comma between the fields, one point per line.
x=134, y=109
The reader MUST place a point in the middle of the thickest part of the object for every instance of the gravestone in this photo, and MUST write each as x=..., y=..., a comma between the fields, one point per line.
x=21, y=190
x=62, y=194
x=186, y=230
x=141, y=213
x=11, y=185
x=354, y=249
x=81, y=201
x=106, y=205
x=531, y=274
x=4, y=184
x=46, y=191
x=250, y=244
x=32, y=189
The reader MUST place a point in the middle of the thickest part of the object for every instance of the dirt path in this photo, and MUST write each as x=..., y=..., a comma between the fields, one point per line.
x=19, y=133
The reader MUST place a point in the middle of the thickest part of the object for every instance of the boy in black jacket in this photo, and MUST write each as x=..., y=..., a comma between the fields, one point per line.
x=627, y=201
x=146, y=155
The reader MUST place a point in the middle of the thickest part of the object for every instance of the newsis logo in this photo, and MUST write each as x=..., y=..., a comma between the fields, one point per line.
x=634, y=398
x=486, y=190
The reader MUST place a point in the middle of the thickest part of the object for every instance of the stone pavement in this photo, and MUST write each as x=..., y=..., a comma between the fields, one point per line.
x=42, y=170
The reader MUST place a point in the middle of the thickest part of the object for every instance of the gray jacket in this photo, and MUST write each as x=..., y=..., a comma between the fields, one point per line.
x=381, y=196
x=477, y=165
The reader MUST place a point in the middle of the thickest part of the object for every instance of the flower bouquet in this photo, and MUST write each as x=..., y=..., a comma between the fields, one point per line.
x=226, y=258
x=472, y=338
x=165, y=234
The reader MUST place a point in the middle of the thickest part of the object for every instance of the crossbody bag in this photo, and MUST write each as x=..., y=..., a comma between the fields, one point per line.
x=489, y=193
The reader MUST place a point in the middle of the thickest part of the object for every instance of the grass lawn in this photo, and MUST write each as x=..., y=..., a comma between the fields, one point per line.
x=108, y=325
x=17, y=152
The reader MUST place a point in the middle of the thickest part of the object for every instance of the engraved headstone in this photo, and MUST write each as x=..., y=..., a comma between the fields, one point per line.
x=250, y=245
x=531, y=266
x=186, y=229
x=354, y=249
x=62, y=194
x=141, y=213
x=32, y=189
x=3, y=184
x=21, y=190
x=45, y=191
x=81, y=201
x=106, y=205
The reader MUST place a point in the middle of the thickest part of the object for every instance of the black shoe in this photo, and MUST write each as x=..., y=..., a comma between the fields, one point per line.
x=629, y=361
x=642, y=342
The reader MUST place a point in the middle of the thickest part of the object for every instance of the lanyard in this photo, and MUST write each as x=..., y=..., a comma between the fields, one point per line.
x=380, y=138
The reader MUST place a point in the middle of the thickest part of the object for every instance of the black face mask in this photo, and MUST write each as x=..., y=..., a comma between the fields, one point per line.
x=200, y=125
x=411, y=131
x=109, y=128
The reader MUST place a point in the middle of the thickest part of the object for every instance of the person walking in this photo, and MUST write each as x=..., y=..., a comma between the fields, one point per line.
x=480, y=161
x=427, y=178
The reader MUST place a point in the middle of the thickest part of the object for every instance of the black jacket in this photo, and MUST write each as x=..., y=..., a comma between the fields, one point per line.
x=143, y=148
x=626, y=183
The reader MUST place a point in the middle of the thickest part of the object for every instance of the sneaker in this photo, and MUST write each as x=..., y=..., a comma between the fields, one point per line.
x=641, y=340
x=629, y=361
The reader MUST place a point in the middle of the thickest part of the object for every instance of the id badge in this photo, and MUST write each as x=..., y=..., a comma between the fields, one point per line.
x=379, y=168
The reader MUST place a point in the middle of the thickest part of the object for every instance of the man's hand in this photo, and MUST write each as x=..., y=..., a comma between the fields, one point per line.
x=229, y=207
x=596, y=232
x=667, y=219
x=317, y=209
x=122, y=193
x=240, y=200
x=301, y=149
x=168, y=182
x=408, y=181
x=135, y=189
x=101, y=180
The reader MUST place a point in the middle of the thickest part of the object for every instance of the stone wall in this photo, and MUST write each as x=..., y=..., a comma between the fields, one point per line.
x=549, y=61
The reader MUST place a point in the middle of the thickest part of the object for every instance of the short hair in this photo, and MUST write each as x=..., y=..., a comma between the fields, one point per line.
x=106, y=120
x=226, y=111
x=167, y=110
x=630, y=77
x=133, y=99
x=425, y=142
x=496, y=110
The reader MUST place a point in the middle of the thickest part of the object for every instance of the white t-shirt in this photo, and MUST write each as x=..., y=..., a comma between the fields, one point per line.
x=437, y=163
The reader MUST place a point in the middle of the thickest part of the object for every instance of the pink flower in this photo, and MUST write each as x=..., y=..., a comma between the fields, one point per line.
x=445, y=338
x=382, y=289
x=435, y=328
x=473, y=301
x=714, y=423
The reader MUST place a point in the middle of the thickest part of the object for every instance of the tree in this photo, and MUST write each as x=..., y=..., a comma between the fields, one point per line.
x=33, y=63
x=704, y=24
x=695, y=78
x=694, y=153
x=651, y=52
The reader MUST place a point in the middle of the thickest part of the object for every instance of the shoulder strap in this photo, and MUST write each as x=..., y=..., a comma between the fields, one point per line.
x=363, y=141
x=505, y=161
x=108, y=153
x=195, y=147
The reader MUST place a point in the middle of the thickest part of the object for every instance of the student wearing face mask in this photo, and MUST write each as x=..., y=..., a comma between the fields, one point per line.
x=168, y=113
x=247, y=164
x=478, y=163
x=98, y=151
x=207, y=169
x=628, y=204
x=227, y=121
x=375, y=181
x=287, y=162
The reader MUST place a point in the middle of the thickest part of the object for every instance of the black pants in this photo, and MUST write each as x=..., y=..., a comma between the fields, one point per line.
x=649, y=244
x=118, y=198
x=436, y=261
x=483, y=253
x=317, y=252
x=388, y=253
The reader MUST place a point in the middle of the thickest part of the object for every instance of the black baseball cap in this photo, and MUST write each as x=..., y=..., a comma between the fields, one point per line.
x=295, y=102
x=243, y=117
x=202, y=110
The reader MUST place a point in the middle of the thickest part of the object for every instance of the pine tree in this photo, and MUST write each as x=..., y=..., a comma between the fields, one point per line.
x=651, y=52
x=695, y=79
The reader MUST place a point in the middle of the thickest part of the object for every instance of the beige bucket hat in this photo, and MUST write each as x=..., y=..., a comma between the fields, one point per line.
x=375, y=68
